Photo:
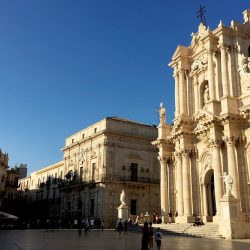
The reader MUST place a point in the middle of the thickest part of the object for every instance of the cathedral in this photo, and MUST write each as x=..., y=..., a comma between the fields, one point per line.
x=205, y=155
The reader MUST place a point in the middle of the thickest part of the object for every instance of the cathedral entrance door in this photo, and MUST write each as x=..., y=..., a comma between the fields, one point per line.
x=209, y=202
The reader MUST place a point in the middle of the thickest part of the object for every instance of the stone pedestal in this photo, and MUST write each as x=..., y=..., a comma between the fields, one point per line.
x=213, y=107
x=230, y=218
x=123, y=212
x=229, y=104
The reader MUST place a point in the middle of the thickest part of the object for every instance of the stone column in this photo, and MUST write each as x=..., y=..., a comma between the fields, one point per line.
x=196, y=94
x=186, y=184
x=182, y=91
x=205, y=208
x=211, y=76
x=177, y=104
x=224, y=72
x=232, y=165
x=217, y=173
x=164, y=188
x=179, y=184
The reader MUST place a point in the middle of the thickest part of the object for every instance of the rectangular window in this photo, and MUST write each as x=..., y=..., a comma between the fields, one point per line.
x=133, y=207
x=134, y=171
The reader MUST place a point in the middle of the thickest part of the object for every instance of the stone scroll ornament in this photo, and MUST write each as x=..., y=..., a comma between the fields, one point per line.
x=228, y=180
x=244, y=67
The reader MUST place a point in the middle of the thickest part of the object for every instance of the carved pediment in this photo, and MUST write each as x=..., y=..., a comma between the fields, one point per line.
x=202, y=32
x=199, y=64
x=181, y=51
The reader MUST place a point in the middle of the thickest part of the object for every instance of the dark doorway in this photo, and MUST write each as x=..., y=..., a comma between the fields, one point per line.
x=92, y=207
x=210, y=193
x=133, y=207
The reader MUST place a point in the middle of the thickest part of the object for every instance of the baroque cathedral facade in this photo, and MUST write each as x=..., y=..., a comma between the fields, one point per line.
x=205, y=154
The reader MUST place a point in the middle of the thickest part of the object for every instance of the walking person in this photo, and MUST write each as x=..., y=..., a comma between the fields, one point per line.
x=151, y=236
x=86, y=226
x=125, y=226
x=120, y=226
x=145, y=237
x=158, y=237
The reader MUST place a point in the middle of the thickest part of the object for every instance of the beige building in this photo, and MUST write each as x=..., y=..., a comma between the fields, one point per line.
x=99, y=162
x=204, y=156
x=3, y=174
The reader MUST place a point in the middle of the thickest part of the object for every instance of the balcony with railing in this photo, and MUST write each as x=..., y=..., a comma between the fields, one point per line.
x=78, y=182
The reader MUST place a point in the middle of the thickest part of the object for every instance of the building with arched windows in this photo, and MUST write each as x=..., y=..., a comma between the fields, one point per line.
x=205, y=155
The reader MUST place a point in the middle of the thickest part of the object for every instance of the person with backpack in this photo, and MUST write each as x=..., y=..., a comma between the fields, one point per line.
x=158, y=237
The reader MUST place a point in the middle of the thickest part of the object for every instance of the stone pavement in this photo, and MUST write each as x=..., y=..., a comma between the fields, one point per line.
x=106, y=240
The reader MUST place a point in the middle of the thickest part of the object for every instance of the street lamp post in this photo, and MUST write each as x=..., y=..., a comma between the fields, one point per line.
x=123, y=169
x=148, y=174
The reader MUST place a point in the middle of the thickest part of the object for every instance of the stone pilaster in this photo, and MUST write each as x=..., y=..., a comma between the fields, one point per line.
x=182, y=91
x=211, y=76
x=224, y=71
x=164, y=188
x=177, y=103
x=179, y=183
x=232, y=164
x=216, y=146
x=196, y=94
x=186, y=184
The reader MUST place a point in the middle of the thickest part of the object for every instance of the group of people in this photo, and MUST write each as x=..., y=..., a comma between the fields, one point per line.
x=148, y=236
x=123, y=226
x=90, y=224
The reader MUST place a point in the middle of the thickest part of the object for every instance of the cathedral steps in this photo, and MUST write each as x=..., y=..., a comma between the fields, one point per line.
x=209, y=230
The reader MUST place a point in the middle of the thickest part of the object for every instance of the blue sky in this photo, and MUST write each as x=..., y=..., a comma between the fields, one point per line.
x=67, y=64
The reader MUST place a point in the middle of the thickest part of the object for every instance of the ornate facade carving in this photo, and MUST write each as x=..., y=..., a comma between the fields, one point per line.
x=211, y=125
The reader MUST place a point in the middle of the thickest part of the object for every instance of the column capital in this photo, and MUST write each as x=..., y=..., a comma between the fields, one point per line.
x=241, y=139
x=162, y=159
x=177, y=155
x=222, y=46
x=230, y=140
x=210, y=51
x=216, y=143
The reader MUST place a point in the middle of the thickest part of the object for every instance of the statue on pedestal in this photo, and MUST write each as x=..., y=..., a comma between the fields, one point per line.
x=162, y=114
x=122, y=197
x=228, y=180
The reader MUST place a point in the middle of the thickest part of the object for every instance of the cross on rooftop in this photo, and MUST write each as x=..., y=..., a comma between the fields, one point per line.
x=201, y=14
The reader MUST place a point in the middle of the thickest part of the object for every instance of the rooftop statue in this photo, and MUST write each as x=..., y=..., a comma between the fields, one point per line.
x=162, y=114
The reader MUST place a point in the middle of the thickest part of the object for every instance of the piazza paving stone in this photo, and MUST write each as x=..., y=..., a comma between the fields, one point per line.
x=106, y=240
